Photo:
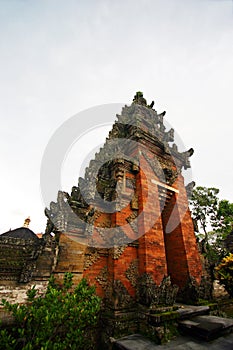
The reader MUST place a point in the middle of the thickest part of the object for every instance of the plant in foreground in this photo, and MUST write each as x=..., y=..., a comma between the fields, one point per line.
x=224, y=273
x=64, y=318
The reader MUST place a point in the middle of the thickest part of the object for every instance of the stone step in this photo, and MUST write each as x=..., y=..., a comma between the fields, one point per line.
x=188, y=311
x=206, y=327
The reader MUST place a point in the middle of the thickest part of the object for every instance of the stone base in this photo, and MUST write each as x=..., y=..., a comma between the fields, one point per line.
x=158, y=325
x=116, y=324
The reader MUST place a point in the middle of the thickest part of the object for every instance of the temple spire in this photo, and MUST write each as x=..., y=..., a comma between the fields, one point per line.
x=27, y=222
x=139, y=99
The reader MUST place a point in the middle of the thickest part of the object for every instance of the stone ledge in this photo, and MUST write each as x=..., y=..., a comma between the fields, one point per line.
x=187, y=311
x=207, y=327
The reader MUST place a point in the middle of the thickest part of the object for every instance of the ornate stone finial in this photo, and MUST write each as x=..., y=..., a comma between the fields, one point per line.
x=139, y=99
x=27, y=222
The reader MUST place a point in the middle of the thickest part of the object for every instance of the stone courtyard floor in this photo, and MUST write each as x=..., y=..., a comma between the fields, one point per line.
x=138, y=342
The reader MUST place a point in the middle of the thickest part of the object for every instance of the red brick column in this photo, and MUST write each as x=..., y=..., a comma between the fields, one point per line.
x=151, y=252
x=181, y=249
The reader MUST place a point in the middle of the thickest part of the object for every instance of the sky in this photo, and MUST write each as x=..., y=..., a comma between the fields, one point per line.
x=59, y=58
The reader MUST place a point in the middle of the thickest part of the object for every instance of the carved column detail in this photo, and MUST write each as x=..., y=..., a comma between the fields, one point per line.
x=90, y=258
x=102, y=278
x=132, y=272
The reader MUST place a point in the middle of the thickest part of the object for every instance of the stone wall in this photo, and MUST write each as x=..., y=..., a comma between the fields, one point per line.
x=17, y=293
x=70, y=258
x=25, y=263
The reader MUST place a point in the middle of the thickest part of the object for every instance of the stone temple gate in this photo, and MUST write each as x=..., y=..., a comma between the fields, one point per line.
x=127, y=227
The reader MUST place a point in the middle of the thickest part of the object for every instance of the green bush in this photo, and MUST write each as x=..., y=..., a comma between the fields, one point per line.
x=61, y=319
x=224, y=273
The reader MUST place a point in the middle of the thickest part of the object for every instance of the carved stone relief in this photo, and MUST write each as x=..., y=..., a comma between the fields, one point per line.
x=27, y=271
x=102, y=278
x=117, y=296
x=90, y=258
x=151, y=295
x=133, y=222
x=132, y=272
x=115, y=252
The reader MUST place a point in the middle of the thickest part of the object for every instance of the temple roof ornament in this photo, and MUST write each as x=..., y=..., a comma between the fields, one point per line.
x=139, y=99
x=27, y=222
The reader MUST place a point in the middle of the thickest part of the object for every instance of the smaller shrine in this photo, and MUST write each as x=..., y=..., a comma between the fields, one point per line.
x=25, y=260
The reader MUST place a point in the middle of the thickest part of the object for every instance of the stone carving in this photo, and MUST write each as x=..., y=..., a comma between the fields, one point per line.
x=139, y=99
x=27, y=271
x=58, y=213
x=117, y=296
x=163, y=170
x=170, y=175
x=102, y=278
x=133, y=221
x=76, y=199
x=115, y=252
x=146, y=289
x=6, y=277
x=132, y=272
x=155, y=166
x=151, y=105
x=151, y=295
x=115, y=237
x=91, y=257
x=167, y=292
x=185, y=158
x=169, y=136
x=189, y=189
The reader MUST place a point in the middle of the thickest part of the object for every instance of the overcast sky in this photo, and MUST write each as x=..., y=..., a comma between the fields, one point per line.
x=61, y=57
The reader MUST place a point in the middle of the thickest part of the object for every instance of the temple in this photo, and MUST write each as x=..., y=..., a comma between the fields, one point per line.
x=131, y=209
x=126, y=227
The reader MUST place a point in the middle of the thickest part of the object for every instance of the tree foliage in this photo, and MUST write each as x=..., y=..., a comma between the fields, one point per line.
x=204, y=204
x=225, y=217
x=61, y=319
x=213, y=219
x=224, y=273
